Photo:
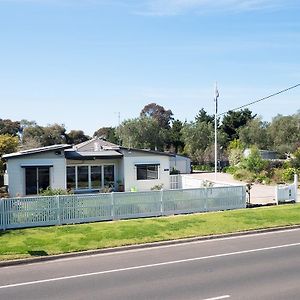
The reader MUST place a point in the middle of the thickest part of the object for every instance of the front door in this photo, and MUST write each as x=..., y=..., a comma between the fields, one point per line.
x=36, y=178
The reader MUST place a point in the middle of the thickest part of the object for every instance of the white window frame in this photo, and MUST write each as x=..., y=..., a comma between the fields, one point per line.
x=89, y=175
x=146, y=164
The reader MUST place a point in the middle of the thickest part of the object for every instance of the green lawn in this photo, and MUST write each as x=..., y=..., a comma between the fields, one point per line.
x=24, y=243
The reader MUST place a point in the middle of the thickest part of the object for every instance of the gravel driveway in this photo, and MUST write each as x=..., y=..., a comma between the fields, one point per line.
x=260, y=194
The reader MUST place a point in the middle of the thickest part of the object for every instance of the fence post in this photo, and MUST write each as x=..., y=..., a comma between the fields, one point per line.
x=58, y=210
x=161, y=202
x=3, y=214
x=296, y=187
x=206, y=199
x=112, y=206
x=276, y=194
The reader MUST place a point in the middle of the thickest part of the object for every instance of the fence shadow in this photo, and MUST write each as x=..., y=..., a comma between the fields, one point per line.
x=38, y=253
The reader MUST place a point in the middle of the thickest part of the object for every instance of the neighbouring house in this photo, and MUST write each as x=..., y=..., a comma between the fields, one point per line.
x=264, y=154
x=92, y=166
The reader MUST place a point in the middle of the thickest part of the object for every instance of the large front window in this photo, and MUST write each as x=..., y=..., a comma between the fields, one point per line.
x=36, y=179
x=90, y=177
x=147, y=172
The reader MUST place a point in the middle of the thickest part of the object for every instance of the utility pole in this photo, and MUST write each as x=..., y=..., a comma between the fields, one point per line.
x=216, y=96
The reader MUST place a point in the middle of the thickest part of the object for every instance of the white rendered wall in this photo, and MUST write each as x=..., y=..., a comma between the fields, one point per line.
x=131, y=158
x=16, y=173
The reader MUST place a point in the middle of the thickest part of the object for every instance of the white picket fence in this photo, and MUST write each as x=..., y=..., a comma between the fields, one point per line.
x=287, y=192
x=71, y=209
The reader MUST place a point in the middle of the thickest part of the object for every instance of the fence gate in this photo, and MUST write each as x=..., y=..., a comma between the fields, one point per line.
x=287, y=193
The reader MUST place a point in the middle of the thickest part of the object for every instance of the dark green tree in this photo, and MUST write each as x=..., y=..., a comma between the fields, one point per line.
x=76, y=137
x=233, y=121
x=159, y=113
x=107, y=133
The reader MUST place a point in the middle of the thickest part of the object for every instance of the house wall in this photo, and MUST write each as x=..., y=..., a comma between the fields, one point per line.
x=180, y=163
x=16, y=173
x=131, y=158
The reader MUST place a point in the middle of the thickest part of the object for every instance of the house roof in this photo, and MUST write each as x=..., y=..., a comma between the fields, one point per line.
x=94, y=148
x=37, y=150
x=95, y=145
x=148, y=151
x=85, y=155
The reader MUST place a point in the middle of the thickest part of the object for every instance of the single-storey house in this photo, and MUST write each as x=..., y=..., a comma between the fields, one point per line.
x=95, y=165
x=180, y=163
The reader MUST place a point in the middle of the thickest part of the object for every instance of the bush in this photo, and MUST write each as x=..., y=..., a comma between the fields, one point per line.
x=254, y=162
x=53, y=192
x=288, y=174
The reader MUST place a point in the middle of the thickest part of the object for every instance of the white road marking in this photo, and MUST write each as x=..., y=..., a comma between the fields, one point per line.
x=218, y=298
x=148, y=266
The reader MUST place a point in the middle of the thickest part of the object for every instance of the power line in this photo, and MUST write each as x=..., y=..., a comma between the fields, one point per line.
x=264, y=98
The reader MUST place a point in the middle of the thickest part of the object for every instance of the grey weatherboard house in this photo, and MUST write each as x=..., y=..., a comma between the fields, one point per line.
x=92, y=166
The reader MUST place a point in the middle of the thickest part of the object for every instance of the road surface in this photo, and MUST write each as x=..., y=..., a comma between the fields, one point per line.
x=256, y=266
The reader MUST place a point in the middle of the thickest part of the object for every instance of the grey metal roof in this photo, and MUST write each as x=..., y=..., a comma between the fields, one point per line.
x=104, y=154
x=95, y=145
x=37, y=150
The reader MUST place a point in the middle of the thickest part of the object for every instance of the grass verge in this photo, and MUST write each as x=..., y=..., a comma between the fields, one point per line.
x=24, y=243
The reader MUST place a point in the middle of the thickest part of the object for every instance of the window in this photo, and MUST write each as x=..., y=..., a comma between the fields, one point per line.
x=82, y=177
x=147, y=172
x=71, y=178
x=109, y=176
x=36, y=179
x=96, y=177
x=90, y=177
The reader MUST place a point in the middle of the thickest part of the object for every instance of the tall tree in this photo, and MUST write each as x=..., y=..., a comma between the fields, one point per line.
x=176, y=139
x=198, y=137
x=255, y=133
x=107, y=133
x=54, y=134
x=140, y=133
x=233, y=121
x=10, y=127
x=158, y=113
x=284, y=132
x=76, y=137
x=203, y=116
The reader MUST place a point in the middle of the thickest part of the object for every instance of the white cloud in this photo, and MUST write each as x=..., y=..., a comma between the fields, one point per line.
x=176, y=7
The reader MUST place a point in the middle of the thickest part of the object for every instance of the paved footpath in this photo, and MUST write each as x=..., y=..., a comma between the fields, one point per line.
x=260, y=194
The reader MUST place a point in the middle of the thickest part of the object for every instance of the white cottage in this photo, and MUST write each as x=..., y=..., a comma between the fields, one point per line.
x=91, y=166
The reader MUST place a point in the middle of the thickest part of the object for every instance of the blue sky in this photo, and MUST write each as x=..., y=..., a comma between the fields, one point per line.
x=80, y=62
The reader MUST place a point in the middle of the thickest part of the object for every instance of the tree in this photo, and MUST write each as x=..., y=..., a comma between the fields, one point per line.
x=32, y=135
x=202, y=116
x=284, y=132
x=197, y=138
x=8, y=144
x=54, y=134
x=255, y=133
x=76, y=137
x=158, y=113
x=140, y=133
x=175, y=136
x=107, y=133
x=233, y=121
x=10, y=127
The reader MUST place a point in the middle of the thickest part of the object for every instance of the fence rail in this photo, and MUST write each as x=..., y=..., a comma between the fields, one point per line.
x=70, y=209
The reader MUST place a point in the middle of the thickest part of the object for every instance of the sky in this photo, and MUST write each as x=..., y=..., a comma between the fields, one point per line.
x=82, y=62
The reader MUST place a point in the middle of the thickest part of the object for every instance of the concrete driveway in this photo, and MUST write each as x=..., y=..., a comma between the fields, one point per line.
x=259, y=194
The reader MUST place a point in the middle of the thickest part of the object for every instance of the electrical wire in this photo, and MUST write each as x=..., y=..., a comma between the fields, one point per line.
x=264, y=98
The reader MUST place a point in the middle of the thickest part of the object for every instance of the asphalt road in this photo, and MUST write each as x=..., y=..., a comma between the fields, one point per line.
x=258, y=266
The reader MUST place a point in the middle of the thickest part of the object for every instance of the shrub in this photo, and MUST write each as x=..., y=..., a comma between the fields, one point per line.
x=53, y=192
x=254, y=162
x=288, y=174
